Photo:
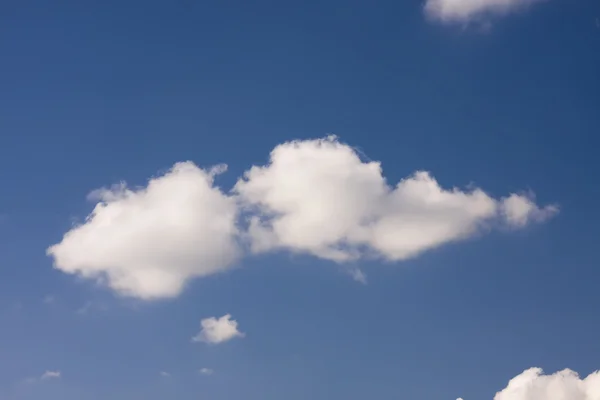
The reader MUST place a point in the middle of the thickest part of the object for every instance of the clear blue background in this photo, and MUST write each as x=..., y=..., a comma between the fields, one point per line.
x=94, y=92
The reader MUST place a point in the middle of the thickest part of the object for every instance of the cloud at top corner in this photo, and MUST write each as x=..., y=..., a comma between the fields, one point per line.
x=316, y=197
x=463, y=11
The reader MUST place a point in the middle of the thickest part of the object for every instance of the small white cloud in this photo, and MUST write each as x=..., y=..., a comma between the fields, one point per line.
x=50, y=375
x=218, y=330
x=206, y=371
x=462, y=11
x=519, y=210
x=165, y=374
x=147, y=243
x=49, y=299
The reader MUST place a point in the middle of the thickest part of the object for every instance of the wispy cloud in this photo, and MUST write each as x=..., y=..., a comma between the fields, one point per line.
x=89, y=306
x=84, y=309
x=462, y=11
x=206, y=371
x=358, y=275
x=51, y=375
x=47, y=375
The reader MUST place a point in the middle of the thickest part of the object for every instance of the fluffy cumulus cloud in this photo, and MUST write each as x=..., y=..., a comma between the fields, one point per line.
x=218, y=330
x=533, y=384
x=316, y=197
x=148, y=242
x=465, y=10
x=319, y=197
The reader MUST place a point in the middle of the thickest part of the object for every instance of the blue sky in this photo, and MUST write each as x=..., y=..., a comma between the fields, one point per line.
x=462, y=290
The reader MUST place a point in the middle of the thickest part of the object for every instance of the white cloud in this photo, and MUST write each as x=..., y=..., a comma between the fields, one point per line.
x=149, y=242
x=314, y=196
x=519, y=210
x=319, y=197
x=533, y=384
x=206, y=371
x=49, y=299
x=218, y=330
x=465, y=10
x=165, y=374
x=50, y=375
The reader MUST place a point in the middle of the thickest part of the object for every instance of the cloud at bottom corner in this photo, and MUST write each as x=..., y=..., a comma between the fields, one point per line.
x=534, y=384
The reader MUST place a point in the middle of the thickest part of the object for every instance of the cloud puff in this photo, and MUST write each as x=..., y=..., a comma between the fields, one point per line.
x=206, y=371
x=314, y=196
x=533, y=384
x=520, y=210
x=218, y=330
x=465, y=10
x=148, y=242
x=319, y=197
x=50, y=375
x=165, y=374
